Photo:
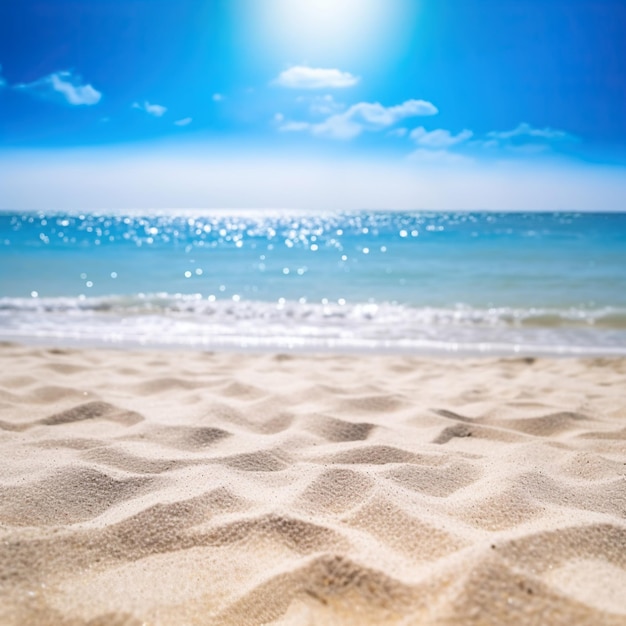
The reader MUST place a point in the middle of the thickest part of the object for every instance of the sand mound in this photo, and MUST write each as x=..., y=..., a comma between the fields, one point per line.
x=191, y=488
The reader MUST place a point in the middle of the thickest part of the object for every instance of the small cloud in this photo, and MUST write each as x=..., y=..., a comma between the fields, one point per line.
x=364, y=116
x=526, y=130
x=184, y=122
x=286, y=126
x=65, y=85
x=303, y=77
x=336, y=127
x=321, y=105
x=218, y=97
x=2, y=81
x=440, y=138
x=293, y=127
x=75, y=94
x=152, y=109
x=325, y=105
x=489, y=144
x=524, y=139
x=398, y=132
x=378, y=115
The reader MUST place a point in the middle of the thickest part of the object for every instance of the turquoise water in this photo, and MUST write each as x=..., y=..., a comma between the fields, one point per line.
x=478, y=282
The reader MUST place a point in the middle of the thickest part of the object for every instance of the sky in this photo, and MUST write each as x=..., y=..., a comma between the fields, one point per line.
x=313, y=104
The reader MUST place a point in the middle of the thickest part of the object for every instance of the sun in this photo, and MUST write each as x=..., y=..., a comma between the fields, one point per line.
x=326, y=27
x=319, y=18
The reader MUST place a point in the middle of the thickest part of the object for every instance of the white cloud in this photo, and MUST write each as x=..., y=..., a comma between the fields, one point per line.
x=74, y=94
x=65, y=84
x=378, y=115
x=438, y=139
x=184, y=122
x=289, y=127
x=303, y=77
x=526, y=130
x=152, y=109
x=337, y=127
x=398, y=132
x=363, y=116
x=490, y=143
x=218, y=97
x=325, y=105
x=525, y=140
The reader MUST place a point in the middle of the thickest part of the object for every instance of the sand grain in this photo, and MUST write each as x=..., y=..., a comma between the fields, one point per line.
x=193, y=488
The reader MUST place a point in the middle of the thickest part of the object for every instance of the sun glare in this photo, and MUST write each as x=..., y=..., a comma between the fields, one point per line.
x=310, y=27
x=322, y=18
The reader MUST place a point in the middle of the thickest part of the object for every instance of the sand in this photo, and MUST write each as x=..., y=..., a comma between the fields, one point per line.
x=193, y=488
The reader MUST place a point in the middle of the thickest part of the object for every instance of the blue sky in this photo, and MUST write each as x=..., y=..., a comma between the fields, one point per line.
x=313, y=104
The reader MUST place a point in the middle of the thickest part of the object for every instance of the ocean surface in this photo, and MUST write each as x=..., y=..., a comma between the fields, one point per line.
x=401, y=282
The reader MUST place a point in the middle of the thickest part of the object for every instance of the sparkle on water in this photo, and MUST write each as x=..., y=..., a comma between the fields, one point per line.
x=383, y=276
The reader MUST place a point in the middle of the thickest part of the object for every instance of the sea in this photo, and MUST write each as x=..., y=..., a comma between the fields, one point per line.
x=400, y=282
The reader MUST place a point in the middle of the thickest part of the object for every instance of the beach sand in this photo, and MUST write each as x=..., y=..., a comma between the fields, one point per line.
x=144, y=487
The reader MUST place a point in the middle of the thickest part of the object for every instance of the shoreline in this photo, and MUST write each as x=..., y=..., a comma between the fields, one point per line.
x=304, y=348
x=169, y=486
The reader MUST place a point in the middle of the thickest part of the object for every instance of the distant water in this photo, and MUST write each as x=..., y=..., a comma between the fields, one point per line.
x=417, y=282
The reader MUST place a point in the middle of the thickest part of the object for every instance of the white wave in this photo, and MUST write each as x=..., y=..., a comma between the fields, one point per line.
x=325, y=312
x=190, y=320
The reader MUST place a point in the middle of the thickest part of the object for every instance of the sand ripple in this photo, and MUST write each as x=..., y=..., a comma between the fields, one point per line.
x=146, y=488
